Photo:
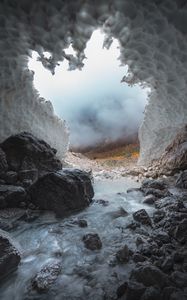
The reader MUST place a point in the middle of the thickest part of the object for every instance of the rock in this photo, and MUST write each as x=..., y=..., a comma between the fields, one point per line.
x=181, y=181
x=120, y=212
x=64, y=192
x=123, y=254
x=26, y=152
x=142, y=217
x=46, y=277
x=3, y=162
x=149, y=199
x=102, y=202
x=11, y=196
x=180, y=232
x=122, y=289
x=179, y=279
x=9, y=254
x=82, y=223
x=134, y=290
x=157, y=193
x=167, y=291
x=131, y=190
x=158, y=215
x=92, y=241
x=153, y=184
x=133, y=225
x=182, y=295
x=28, y=175
x=137, y=257
x=162, y=236
x=167, y=265
x=11, y=177
x=151, y=293
x=149, y=275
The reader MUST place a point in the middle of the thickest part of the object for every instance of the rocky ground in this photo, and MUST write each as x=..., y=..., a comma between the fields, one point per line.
x=31, y=181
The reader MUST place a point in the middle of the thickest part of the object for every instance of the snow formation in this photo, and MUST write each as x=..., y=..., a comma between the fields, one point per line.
x=152, y=37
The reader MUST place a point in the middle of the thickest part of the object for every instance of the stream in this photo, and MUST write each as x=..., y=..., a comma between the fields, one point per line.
x=85, y=274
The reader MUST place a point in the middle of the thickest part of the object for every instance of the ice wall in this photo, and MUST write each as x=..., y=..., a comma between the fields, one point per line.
x=153, y=42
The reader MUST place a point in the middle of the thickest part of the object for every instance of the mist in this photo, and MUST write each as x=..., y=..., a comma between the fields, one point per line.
x=96, y=105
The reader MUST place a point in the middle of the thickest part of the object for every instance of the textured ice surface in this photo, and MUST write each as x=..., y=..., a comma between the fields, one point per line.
x=152, y=36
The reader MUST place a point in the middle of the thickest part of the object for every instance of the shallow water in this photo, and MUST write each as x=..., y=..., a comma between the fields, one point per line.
x=85, y=274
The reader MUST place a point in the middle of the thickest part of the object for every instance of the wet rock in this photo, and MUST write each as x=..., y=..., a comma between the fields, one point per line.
x=31, y=175
x=134, y=290
x=157, y=193
x=182, y=295
x=11, y=177
x=81, y=223
x=11, y=196
x=102, y=202
x=153, y=184
x=9, y=254
x=3, y=162
x=46, y=277
x=180, y=232
x=26, y=183
x=179, y=279
x=122, y=289
x=149, y=199
x=131, y=190
x=137, y=257
x=142, y=217
x=26, y=152
x=158, y=215
x=167, y=265
x=133, y=225
x=120, y=212
x=151, y=293
x=92, y=241
x=165, y=202
x=181, y=181
x=64, y=192
x=123, y=255
x=162, y=236
x=167, y=291
x=149, y=275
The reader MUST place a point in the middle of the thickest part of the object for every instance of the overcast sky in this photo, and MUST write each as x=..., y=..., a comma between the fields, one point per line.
x=94, y=102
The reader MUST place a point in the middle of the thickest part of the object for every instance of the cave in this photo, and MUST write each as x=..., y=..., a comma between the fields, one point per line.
x=34, y=142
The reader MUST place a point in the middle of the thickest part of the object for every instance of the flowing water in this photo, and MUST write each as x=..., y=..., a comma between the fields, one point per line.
x=85, y=274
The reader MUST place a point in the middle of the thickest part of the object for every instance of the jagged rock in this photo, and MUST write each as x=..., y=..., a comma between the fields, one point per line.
x=123, y=255
x=45, y=278
x=64, y=192
x=149, y=275
x=26, y=152
x=31, y=175
x=153, y=184
x=120, y=212
x=182, y=295
x=167, y=265
x=137, y=257
x=134, y=290
x=180, y=232
x=11, y=196
x=149, y=199
x=10, y=256
x=11, y=177
x=102, y=202
x=151, y=293
x=92, y=241
x=142, y=217
x=3, y=162
x=181, y=181
x=157, y=193
x=121, y=290
x=179, y=279
x=158, y=215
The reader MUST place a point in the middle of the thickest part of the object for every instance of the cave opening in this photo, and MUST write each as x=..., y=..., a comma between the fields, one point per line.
x=102, y=112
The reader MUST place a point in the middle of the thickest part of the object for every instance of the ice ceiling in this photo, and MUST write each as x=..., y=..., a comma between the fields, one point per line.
x=153, y=42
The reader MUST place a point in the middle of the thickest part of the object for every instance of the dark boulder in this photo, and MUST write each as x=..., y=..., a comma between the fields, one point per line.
x=9, y=255
x=25, y=152
x=11, y=177
x=142, y=217
x=31, y=175
x=3, y=162
x=92, y=241
x=181, y=181
x=151, y=293
x=63, y=192
x=149, y=199
x=123, y=255
x=179, y=279
x=11, y=196
x=149, y=275
x=153, y=184
x=45, y=278
x=134, y=290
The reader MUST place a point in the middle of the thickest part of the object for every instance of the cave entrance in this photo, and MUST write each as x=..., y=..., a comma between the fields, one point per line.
x=102, y=113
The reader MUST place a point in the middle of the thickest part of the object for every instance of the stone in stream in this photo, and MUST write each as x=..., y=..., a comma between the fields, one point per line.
x=46, y=277
x=10, y=255
x=11, y=196
x=63, y=192
x=150, y=199
x=26, y=152
x=157, y=184
x=142, y=217
x=123, y=255
x=92, y=241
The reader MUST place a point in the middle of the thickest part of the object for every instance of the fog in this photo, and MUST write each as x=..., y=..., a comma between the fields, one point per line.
x=96, y=105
